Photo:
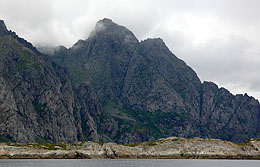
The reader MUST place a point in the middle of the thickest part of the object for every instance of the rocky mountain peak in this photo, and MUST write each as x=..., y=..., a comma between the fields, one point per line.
x=3, y=29
x=106, y=22
x=154, y=42
x=108, y=29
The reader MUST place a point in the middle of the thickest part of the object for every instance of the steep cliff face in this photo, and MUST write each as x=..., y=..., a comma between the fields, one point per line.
x=225, y=116
x=37, y=101
x=139, y=91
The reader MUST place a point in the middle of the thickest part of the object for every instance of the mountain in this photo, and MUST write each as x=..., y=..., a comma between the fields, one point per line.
x=112, y=87
x=145, y=92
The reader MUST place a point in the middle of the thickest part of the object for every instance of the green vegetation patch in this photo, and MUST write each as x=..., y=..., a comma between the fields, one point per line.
x=247, y=141
x=48, y=146
x=133, y=144
x=40, y=140
x=4, y=139
x=39, y=108
x=153, y=143
x=98, y=142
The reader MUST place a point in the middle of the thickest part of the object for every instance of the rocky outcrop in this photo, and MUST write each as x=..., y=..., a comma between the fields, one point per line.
x=172, y=147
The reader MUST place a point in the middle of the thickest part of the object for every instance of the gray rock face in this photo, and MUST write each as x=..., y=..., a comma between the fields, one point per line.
x=113, y=88
x=3, y=29
x=226, y=116
x=37, y=101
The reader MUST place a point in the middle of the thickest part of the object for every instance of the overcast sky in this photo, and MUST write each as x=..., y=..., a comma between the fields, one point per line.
x=219, y=39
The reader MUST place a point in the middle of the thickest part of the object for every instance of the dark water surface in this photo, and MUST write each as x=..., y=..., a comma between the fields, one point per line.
x=127, y=163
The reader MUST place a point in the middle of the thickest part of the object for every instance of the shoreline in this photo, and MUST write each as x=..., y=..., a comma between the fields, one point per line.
x=166, y=148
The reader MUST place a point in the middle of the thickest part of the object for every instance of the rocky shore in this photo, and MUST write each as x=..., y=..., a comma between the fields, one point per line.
x=168, y=148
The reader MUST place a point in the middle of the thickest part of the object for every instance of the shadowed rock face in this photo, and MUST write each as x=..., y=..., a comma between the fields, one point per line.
x=111, y=87
x=3, y=30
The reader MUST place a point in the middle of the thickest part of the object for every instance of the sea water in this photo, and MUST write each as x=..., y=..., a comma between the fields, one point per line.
x=126, y=163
